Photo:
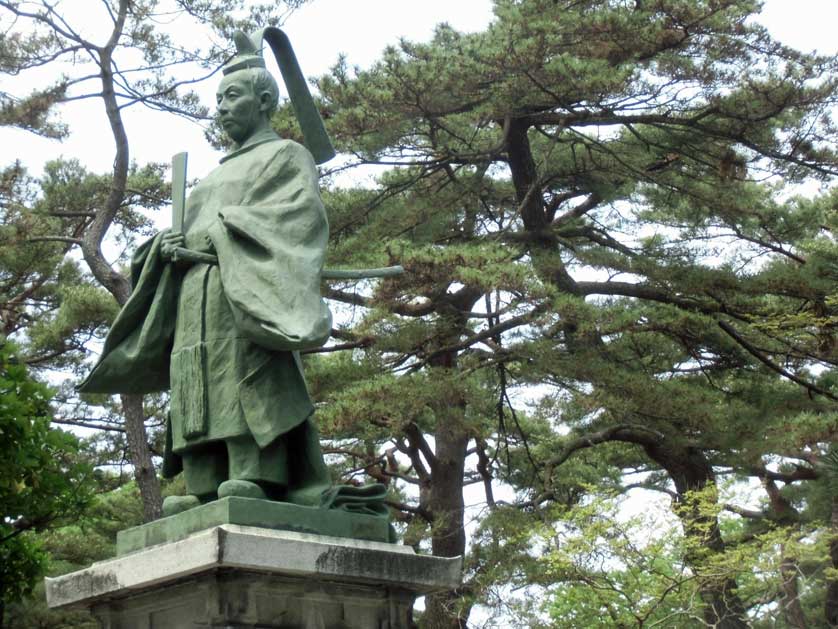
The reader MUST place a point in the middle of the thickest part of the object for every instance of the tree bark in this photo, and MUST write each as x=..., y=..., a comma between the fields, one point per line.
x=790, y=598
x=691, y=472
x=444, y=610
x=116, y=283
x=448, y=610
x=144, y=472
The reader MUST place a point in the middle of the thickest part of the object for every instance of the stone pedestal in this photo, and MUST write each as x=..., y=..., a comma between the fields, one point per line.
x=235, y=576
x=265, y=514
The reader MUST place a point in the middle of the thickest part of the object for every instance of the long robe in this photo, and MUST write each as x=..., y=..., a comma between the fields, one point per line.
x=224, y=338
x=233, y=369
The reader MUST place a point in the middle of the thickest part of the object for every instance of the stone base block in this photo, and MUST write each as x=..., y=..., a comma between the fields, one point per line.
x=241, y=599
x=248, y=578
x=266, y=514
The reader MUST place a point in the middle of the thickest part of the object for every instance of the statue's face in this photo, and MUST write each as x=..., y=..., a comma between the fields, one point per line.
x=239, y=109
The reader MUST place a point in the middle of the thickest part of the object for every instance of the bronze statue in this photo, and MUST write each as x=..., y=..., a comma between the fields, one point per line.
x=220, y=309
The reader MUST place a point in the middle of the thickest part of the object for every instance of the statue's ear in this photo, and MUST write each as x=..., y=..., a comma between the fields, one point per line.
x=265, y=101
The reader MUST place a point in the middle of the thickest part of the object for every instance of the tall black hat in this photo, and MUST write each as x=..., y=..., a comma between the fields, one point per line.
x=248, y=55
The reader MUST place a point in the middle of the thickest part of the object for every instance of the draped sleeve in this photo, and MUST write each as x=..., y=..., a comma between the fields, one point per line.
x=135, y=358
x=270, y=251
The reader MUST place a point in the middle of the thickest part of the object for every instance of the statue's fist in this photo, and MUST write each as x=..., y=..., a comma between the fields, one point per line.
x=169, y=242
x=209, y=245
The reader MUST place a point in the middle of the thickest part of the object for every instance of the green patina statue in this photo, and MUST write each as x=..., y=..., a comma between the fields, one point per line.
x=223, y=336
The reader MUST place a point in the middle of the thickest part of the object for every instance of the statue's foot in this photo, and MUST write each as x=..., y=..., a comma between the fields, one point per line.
x=177, y=504
x=241, y=488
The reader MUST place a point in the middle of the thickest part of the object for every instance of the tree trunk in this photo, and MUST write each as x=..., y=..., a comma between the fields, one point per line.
x=790, y=598
x=448, y=539
x=691, y=472
x=144, y=472
x=109, y=277
x=446, y=610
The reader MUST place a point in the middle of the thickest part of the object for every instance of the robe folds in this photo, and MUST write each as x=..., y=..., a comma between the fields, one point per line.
x=224, y=338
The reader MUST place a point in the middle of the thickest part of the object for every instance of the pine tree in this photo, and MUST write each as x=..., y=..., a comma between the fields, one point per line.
x=595, y=204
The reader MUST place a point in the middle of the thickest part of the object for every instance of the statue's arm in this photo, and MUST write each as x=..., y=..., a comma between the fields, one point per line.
x=270, y=251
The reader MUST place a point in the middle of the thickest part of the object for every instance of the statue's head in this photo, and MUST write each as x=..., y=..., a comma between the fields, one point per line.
x=247, y=95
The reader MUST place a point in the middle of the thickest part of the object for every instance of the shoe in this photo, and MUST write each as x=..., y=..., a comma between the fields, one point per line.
x=242, y=489
x=178, y=504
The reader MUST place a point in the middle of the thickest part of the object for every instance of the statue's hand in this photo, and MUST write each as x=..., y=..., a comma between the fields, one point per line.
x=206, y=246
x=170, y=242
x=210, y=245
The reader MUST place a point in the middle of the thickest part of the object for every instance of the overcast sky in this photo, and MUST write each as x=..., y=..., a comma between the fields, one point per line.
x=319, y=32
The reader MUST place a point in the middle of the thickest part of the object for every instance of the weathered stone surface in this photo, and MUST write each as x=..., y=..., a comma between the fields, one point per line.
x=253, y=512
x=243, y=576
x=249, y=600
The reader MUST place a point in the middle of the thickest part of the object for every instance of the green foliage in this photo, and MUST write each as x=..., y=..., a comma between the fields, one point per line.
x=43, y=480
x=33, y=112
x=45, y=295
x=600, y=565
x=24, y=564
x=596, y=206
x=90, y=537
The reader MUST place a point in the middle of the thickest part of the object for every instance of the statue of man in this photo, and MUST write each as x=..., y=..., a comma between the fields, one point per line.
x=224, y=337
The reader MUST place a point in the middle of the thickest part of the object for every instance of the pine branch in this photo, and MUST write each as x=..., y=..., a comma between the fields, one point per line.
x=96, y=425
x=400, y=506
x=364, y=342
x=800, y=473
x=72, y=241
x=630, y=433
x=765, y=360
x=745, y=513
x=488, y=333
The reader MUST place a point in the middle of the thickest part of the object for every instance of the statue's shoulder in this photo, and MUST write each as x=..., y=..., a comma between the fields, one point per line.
x=269, y=156
x=293, y=150
x=279, y=151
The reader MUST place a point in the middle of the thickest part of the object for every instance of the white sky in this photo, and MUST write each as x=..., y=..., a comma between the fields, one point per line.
x=319, y=32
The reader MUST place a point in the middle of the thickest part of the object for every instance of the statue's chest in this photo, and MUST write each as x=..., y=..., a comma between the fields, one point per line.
x=222, y=188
